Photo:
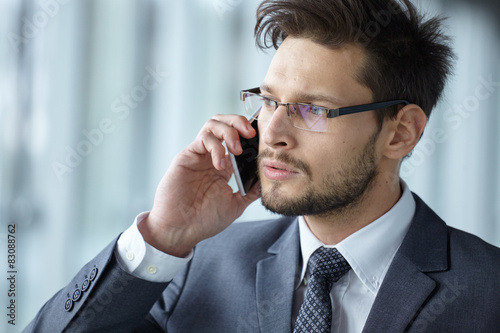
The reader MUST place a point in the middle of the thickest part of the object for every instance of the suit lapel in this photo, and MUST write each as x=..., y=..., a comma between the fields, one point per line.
x=403, y=292
x=406, y=286
x=276, y=279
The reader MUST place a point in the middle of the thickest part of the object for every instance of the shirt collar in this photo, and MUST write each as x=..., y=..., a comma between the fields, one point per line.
x=371, y=249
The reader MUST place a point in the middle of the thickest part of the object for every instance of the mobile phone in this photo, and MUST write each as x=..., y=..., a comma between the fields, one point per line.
x=245, y=164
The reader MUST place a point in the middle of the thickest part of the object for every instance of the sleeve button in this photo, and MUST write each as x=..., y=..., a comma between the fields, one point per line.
x=77, y=294
x=93, y=274
x=68, y=305
x=85, y=285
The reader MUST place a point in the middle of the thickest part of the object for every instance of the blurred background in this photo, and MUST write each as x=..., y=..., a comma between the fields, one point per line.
x=97, y=97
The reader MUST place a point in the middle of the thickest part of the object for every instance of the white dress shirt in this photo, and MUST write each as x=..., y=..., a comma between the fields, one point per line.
x=142, y=260
x=369, y=252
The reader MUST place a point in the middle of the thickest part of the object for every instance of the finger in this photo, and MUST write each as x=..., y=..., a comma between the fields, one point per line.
x=242, y=202
x=240, y=123
x=228, y=170
x=220, y=129
x=214, y=146
x=223, y=132
x=252, y=195
x=206, y=144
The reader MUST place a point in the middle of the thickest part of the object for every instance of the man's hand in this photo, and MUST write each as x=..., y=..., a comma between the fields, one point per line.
x=193, y=200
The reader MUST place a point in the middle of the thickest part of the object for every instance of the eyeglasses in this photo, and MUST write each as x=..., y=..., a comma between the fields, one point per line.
x=304, y=116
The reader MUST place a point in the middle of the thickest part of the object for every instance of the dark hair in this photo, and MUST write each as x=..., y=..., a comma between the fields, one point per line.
x=408, y=57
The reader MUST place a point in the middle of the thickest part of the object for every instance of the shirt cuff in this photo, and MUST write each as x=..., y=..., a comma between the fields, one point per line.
x=142, y=260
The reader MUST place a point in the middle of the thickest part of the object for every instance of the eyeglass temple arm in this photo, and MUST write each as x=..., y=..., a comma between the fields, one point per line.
x=332, y=113
x=253, y=90
x=361, y=108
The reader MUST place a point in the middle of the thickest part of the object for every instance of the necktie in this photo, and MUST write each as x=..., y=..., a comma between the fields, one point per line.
x=326, y=266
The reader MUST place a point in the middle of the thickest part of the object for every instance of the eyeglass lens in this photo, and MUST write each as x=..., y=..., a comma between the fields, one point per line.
x=303, y=116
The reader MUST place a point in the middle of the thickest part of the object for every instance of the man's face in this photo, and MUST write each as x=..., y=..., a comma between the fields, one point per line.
x=311, y=173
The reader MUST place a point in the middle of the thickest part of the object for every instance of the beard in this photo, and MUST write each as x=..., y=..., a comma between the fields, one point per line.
x=341, y=190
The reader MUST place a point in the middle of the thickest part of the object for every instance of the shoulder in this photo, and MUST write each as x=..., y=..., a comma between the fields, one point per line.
x=254, y=236
x=466, y=253
x=465, y=248
x=257, y=230
x=433, y=245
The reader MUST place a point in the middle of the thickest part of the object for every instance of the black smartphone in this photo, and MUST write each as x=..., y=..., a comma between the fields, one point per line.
x=245, y=164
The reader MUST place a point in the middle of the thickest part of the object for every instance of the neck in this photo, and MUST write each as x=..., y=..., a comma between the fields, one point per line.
x=377, y=200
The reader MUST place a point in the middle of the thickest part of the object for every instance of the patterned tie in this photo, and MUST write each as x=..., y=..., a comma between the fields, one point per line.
x=326, y=266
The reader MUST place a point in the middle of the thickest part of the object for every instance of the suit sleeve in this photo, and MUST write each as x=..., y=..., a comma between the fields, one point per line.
x=100, y=298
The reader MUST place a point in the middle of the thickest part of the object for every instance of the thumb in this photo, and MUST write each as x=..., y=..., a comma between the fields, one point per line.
x=253, y=194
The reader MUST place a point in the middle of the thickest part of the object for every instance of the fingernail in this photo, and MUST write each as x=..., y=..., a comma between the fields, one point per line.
x=237, y=147
x=223, y=163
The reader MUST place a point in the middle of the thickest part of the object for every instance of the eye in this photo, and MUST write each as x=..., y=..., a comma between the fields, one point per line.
x=268, y=102
x=317, y=111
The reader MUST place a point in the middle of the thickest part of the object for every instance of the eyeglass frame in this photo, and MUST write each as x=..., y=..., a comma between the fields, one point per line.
x=330, y=113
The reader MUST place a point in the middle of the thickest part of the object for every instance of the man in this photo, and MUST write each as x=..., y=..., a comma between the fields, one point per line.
x=332, y=171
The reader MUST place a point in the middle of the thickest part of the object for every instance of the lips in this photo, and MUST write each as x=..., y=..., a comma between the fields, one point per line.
x=278, y=171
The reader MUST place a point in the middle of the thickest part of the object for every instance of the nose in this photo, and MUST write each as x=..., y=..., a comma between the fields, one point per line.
x=278, y=132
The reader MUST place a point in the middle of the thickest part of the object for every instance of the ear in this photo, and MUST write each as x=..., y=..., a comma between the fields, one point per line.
x=405, y=131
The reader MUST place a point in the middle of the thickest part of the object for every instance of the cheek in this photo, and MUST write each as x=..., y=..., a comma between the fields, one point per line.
x=261, y=128
x=355, y=125
x=349, y=134
x=330, y=156
x=322, y=158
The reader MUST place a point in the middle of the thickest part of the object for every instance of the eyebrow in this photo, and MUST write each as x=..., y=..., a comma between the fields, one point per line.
x=306, y=97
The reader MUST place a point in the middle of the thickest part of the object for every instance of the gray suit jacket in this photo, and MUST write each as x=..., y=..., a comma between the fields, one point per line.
x=242, y=280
